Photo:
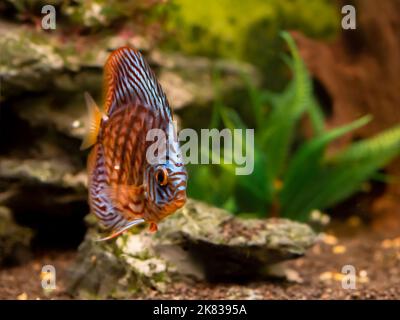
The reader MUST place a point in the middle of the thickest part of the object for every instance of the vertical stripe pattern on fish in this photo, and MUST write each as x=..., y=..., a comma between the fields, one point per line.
x=125, y=188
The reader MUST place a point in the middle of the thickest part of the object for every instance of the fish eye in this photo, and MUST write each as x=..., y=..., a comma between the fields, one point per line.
x=161, y=176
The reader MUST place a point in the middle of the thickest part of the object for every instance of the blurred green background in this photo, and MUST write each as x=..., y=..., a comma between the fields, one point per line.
x=249, y=30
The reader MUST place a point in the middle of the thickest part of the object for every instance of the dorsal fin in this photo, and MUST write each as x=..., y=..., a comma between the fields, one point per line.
x=128, y=79
x=93, y=122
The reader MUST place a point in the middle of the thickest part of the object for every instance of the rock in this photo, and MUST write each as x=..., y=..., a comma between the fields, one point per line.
x=188, y=81
x=47, y=195
x=33, y=61
x=199, y=241
x=45, y=191
x=66, y=116
x=191, y=85
x=27, y=63
x=50, y=172
x=14, y=240
x=216, y=237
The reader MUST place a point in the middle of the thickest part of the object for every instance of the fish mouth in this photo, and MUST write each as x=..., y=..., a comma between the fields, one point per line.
x=176, y=203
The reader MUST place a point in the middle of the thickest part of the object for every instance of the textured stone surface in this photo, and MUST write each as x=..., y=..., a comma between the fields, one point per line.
x=50, y=172
x=199, y=241
x=14, y=240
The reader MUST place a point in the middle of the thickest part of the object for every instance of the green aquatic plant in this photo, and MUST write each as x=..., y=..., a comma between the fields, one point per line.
x=291, y=176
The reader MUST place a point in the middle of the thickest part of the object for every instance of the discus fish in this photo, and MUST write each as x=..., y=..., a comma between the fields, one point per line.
x=125, y=189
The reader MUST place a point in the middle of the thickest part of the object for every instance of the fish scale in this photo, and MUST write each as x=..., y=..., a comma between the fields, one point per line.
x=124, y=188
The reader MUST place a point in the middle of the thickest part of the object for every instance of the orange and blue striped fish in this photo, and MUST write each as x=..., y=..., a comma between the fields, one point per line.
x=125, y=189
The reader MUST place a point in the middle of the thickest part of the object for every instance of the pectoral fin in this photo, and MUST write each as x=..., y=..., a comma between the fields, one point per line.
x=122, y=229
x=126, y=196
x=127, y=203
x=93, y=125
